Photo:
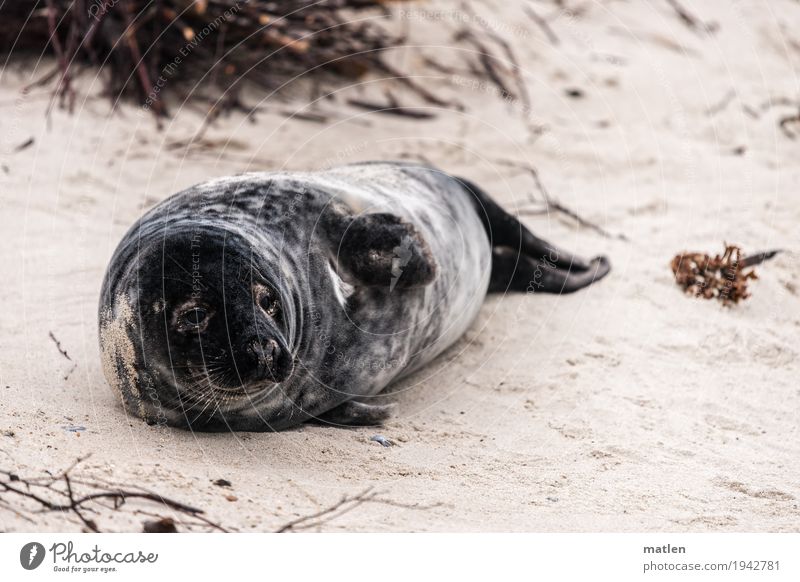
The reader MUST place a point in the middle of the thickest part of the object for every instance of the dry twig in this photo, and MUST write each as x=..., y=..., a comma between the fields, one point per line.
x=722, y=104
x=58, y=346
x=787, y=121
x=147, y=46
x=346, y=504
x=550, y=204
x=516, y=70
x=391, y=108
x=691, y=21
x=543, y=24
x=58, y=493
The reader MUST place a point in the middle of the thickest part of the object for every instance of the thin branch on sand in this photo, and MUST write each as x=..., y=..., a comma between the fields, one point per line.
x=722, y=104
x=553, y=205
x=788, y=120
x=516, y=70
x=58, y=346
x=346, y=504
x=692, y=22
x=543, y=24
x=61, y=493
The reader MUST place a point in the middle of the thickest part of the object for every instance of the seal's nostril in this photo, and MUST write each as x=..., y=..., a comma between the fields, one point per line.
x=273, y=350
x=266, y=354
x=258, y=351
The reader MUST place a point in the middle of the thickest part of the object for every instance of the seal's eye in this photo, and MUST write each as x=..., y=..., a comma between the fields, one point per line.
x=267, y=299
x=194, y=317
x=270, y=305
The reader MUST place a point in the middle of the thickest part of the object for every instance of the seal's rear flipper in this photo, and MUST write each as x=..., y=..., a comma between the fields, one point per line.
x=513, y=272
x=504, y=230
x=383, y=250
x=354, y=413
x=523, y=262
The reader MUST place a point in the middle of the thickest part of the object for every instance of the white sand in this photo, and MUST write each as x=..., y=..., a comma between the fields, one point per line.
x=626, y=407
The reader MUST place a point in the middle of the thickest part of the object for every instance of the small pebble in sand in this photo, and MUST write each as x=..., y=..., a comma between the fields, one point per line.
x=382, y=440
x=73, y=428
x=231, y=498
x=163, y=525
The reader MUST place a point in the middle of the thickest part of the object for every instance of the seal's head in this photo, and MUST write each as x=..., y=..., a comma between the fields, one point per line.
x=196, y=324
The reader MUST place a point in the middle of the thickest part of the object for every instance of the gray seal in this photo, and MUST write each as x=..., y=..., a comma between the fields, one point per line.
x=261, y=301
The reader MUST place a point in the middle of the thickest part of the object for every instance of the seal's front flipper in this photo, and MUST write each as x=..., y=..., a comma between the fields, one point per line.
x=358, y=414
x=383, y=250
x=514, y=272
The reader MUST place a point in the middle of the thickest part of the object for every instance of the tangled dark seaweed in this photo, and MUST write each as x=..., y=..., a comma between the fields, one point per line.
x=140, y=45
x=723, y=277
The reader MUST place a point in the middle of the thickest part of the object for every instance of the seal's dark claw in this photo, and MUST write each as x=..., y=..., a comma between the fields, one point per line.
x=382, y=440
x=358, y=414
x=602, y=267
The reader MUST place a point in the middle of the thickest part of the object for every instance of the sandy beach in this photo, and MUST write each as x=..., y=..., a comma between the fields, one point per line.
x=626, y=407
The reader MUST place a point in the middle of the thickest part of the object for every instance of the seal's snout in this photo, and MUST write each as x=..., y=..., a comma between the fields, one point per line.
x=272, y=362
x=265, y=352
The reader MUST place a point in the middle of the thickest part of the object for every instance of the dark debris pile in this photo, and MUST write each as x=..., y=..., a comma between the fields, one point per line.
x=144, y=47
x=723, y=277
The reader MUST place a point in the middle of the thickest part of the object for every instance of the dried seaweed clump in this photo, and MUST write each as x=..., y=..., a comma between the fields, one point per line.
x=722, y=277
x=145, y=46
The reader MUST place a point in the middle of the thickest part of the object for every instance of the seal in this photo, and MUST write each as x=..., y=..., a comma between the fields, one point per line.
x=261, y=301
